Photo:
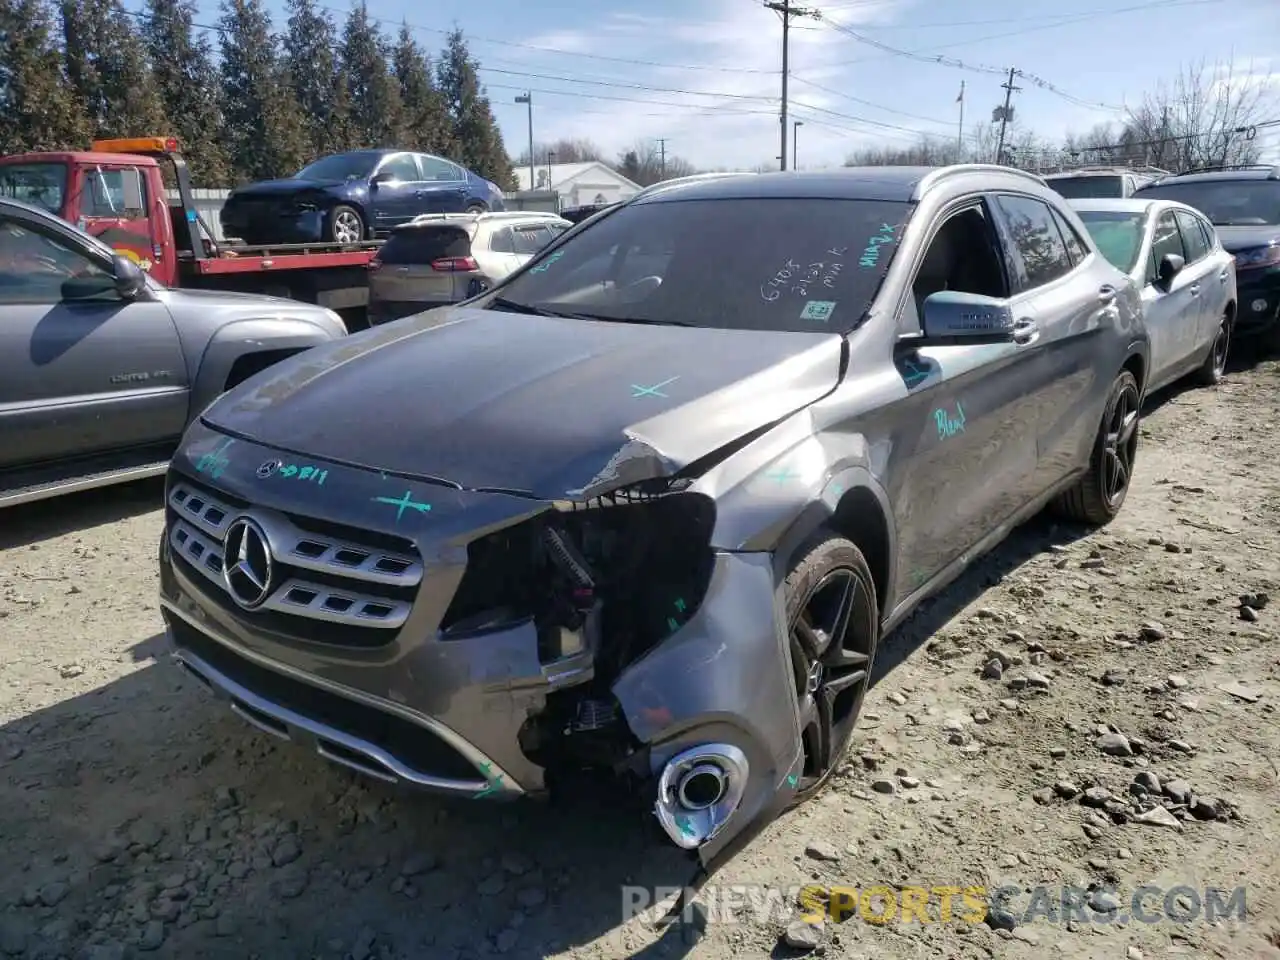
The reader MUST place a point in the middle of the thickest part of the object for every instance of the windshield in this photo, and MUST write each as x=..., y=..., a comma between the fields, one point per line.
x=747, y=264
x=40, y=184
x=1117, y=235
x=1227, y=203
x=1106, y=186
x=342, y=166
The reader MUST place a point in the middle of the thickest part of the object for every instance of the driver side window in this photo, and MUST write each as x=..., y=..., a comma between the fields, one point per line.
x=964, y=256
x=34, y=265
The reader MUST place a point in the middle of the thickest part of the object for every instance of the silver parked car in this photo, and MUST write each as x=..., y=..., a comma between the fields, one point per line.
x=443, y=258
x=1188, y=281
x=1100, y=182
x=649, y=522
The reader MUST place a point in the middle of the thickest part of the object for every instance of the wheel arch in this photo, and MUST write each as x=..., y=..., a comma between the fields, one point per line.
x=855, y=507
x=355, y=205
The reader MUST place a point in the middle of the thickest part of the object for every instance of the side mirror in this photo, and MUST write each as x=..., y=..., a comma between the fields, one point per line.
x=1170, y=266
x=378, y=179
x=129, y=278
x=957, y=318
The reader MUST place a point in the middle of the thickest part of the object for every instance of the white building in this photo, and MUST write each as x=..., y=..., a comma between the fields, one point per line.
x=579, y=184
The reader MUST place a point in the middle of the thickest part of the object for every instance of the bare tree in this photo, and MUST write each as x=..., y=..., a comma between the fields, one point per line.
x=644, y=164
x=1202, y=118
x=564, y=151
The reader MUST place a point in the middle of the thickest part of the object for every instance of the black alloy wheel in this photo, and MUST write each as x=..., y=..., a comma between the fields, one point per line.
x=833, y=621
x=1121, y=444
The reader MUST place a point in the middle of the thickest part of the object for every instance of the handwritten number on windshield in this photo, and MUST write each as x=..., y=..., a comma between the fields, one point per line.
x=798, y=279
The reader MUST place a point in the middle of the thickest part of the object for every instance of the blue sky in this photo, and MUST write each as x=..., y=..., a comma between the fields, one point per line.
x=704, y=74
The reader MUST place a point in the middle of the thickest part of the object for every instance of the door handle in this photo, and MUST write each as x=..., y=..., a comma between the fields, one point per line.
x=1025, y=331
x=1222, y=277
x=1195, y=289
x=1106, y=293
x=419, y=194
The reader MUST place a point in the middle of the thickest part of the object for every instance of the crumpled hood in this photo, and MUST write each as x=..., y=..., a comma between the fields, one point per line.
x=545, y=406
x=285, y=188
x=1235, y=239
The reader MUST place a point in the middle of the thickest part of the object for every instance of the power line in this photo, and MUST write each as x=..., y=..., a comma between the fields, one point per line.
x=868, y=103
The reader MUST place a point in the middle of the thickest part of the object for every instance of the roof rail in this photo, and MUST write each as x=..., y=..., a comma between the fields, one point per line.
x=933, y=177
x=1271, y=168
x=692, y=178
x=467, y=217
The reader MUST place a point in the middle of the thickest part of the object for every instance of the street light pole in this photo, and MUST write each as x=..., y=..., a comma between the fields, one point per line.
x=795, y=143
x=527, y=98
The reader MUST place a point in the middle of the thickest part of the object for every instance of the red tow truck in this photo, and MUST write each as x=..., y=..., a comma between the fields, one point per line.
x=117, y=193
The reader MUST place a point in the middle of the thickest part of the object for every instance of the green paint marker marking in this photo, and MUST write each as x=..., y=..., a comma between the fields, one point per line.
x=404, y=503
x=792, y=780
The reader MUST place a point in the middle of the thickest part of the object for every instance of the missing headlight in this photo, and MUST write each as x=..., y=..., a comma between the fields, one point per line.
x=614, y=577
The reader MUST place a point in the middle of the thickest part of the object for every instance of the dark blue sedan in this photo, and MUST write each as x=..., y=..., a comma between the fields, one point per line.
x=350, y=197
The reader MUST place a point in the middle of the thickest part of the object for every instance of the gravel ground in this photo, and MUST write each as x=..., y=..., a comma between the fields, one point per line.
x=1021, y=729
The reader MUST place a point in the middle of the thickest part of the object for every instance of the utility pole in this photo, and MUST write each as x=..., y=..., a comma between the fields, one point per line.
x=959, y=131
x=662, y=158
x=784, y=9
x=527, y=97
x=1006, y=113
x=795, y=143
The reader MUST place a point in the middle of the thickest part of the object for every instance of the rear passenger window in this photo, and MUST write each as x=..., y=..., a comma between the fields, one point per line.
x=1192, y=237
x=529, y=240
x=1076, y=247
x=1037, y=242
x=501, y=241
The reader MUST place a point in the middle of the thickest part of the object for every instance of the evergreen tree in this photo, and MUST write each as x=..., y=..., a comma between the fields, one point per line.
x=262, y=124
x=108, y=69
x=319, y=82
x=424, y=119
x=37, y=108
x=375, y=94
x=187, y=83
x=479, y=143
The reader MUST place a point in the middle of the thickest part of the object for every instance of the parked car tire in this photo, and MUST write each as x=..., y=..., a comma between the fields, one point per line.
x=477, y=208
x=833, y=618
x=1215, y=365
x=344, y=225
x=1098, y=496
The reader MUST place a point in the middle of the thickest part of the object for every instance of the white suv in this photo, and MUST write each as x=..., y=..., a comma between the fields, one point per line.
x=442, y=258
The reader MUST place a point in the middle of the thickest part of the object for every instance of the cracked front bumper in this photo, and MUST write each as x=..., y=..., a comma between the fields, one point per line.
x=447, y=717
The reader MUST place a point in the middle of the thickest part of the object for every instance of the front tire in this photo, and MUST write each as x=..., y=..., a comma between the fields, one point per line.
x=833, y=620
x=1215, y=365
x=1101, y=492
x=476, y=208
x=344, y=225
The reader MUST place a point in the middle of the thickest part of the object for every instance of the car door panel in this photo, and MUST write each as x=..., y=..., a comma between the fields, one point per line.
x=444, y=186
x=81, y=377
x=1062, y=292
x=1076, y=313
x=396, y=199
x=968, y=445
x=1203, y=287
x=1167, y=311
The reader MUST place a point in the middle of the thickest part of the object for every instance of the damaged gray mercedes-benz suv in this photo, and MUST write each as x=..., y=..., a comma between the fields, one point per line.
x=647, y=506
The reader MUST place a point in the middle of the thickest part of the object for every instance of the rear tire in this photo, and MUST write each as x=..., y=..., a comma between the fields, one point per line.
x=1098, y=496
x=344, y=225
x=1215, y=365
x=834, y=622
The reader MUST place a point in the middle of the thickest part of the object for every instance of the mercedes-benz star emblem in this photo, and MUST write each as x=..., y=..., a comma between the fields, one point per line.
x=246, y=563
x=268, y=468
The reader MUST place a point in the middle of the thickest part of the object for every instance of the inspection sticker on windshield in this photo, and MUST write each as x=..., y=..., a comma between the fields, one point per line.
x=818, y=310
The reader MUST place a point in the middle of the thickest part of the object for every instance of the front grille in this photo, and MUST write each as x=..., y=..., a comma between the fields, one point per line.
x=333, y=585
